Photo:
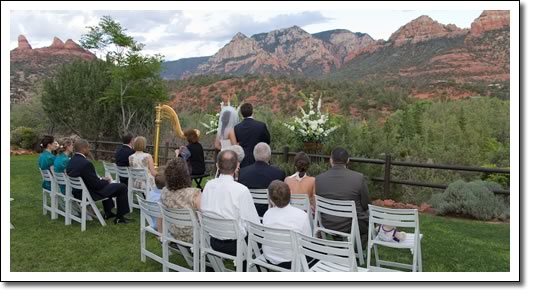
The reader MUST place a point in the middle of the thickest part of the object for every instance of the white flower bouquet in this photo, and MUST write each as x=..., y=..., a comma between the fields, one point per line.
x=212, y=124
x=313, y=126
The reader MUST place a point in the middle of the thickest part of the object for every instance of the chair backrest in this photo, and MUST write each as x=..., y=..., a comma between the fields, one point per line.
x=149, y=209
x=139, y=175
x=180, y=217
x=76, y=183
x=110, y=170
x=333, y=252
x=408, y=218
x=300, y=201
x=340, y=208
x=260, y=196
x=46, y=175
x=218, y=227
x=122, y=172
x=262, y=236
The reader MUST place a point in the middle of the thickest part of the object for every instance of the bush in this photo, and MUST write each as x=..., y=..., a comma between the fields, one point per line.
x=24, y=137
x=475, y=199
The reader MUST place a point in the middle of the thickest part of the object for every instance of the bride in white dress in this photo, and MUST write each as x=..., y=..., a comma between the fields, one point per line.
x=225, y=137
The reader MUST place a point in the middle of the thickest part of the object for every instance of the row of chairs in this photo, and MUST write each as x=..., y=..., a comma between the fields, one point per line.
x=331, y=255
x=52, y=197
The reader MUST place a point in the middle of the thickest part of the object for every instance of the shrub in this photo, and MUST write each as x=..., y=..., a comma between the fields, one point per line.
x=475, y=199
x=24, y=137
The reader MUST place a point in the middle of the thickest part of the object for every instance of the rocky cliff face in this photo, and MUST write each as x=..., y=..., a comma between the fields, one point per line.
x=423, y=29
x=29, y=66
x=490, y=20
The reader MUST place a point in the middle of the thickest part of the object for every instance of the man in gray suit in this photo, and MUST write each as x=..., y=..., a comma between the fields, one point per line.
x=340, y=183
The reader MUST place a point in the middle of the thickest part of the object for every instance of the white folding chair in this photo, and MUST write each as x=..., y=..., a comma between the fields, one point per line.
x=260, y=196
x=405, y=218
x=331, y=256
x=58, y=180
x=136, y=176
x=339, y=208
x=181, y=218
x=110, y=170
x=47, y=176
x=147, y=210
x=123, y=172
x=262, y=236
x=76, y=183
x=301, y=201
x=220, y=229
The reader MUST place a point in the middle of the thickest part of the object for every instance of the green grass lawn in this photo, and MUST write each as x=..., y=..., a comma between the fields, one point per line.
x=40, y=244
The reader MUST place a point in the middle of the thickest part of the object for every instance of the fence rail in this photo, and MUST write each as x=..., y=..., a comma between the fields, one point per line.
x=387, y=164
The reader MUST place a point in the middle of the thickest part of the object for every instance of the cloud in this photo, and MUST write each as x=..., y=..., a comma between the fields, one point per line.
x=249, y=26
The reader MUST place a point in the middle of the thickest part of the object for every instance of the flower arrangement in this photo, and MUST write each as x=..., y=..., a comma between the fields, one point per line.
x=313, y=126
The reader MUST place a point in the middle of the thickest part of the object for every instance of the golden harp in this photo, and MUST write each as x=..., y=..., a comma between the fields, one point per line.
x=163, y=111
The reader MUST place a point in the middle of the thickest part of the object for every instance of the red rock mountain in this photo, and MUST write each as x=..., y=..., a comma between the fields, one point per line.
x=29, y=66
x=423, y=29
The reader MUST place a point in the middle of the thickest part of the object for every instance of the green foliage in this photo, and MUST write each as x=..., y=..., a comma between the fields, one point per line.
x=475, y=199
x=30, y=114
x=136, y=85
x=71, y=99
x=24, y=137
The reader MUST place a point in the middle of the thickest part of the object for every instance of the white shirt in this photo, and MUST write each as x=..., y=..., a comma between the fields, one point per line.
x=224, y=198
x=289, y=218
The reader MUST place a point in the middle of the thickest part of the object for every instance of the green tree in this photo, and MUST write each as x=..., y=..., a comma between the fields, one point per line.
x=136, y=84
x=70, y=99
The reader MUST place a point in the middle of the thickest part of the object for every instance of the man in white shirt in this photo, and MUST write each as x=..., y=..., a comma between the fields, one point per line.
x=283, y=216
x=224, y=198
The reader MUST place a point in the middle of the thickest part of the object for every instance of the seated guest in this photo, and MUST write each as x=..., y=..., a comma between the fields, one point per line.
x=240, y=153
x=225, y=198
x=155, y=196
x=179, y=194
x=260, y=174
x=300, y=183
x=196, y=161
x=283, y=216
x=46, y=158
x=123, y=152
x=340, y=183
x=65, y=150
x=142, y=160
x=99, y=188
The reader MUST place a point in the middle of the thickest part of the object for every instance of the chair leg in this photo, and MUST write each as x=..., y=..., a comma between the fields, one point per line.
x=368, y=253
x=53, y=206
x=142, y=244
x=376, y=255
x=165, y=256
x=414, y=265
x=203, y=262
x=83, y=218
x=67, y=211
x=130, y=200
x=44, y=203
x=420, y=257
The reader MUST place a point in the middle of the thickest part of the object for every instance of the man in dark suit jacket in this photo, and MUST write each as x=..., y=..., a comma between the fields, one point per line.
x=99, y=188
x=340, y=183
x=260, y=174
x=249, y=133
x=123, y=153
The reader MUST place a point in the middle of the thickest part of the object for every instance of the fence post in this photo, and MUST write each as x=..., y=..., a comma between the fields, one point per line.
x=387, y=177
x=166, y=151
x=95, y=150
x=285, y=154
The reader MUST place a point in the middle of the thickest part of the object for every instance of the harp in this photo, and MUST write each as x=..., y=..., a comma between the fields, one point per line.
x=165, y=111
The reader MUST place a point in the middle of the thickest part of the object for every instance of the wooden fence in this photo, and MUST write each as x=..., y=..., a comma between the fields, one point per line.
x=387, y=164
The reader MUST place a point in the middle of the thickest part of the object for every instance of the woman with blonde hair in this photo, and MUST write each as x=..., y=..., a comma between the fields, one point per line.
x=142, y=160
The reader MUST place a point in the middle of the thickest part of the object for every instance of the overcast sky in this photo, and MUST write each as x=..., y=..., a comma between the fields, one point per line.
x=179, y=34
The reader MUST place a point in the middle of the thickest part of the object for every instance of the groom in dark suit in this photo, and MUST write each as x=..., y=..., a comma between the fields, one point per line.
x=249, y=133
x=99, y=188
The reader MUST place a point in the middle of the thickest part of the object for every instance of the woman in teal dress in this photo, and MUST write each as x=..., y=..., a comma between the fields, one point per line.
x=46, y=158
x=62, y=159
